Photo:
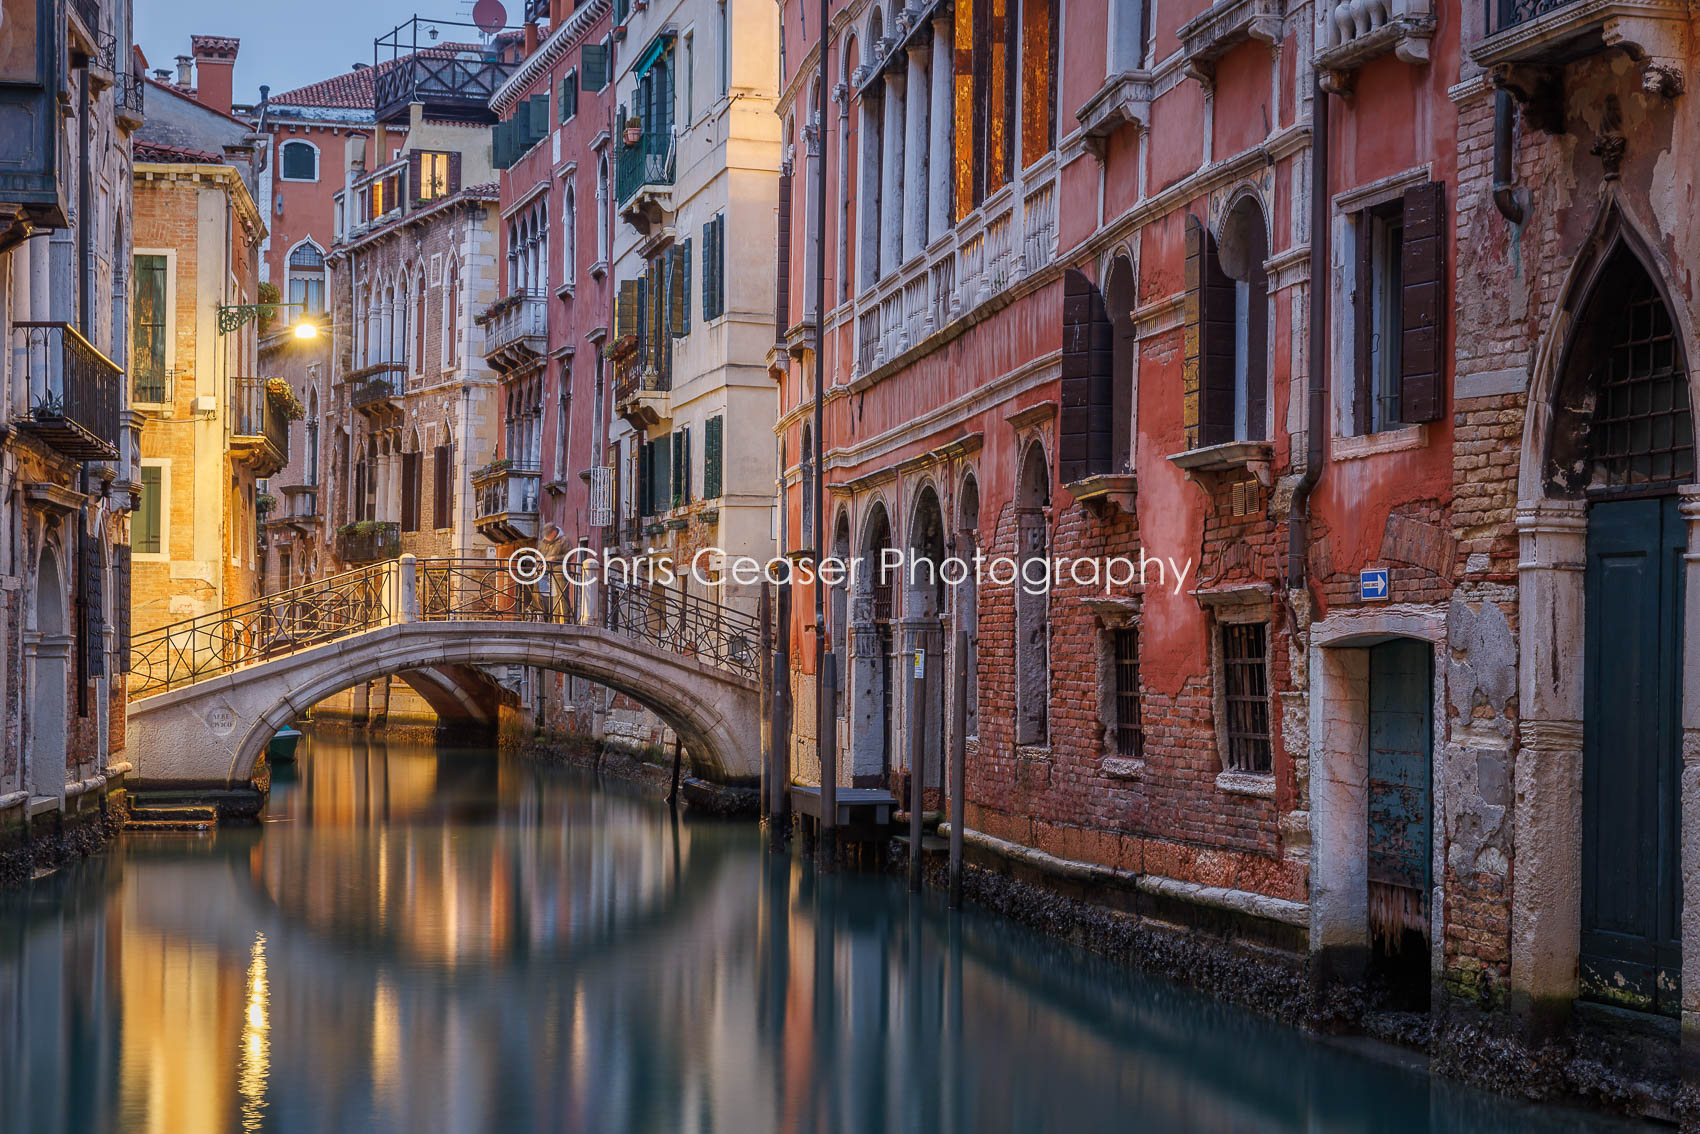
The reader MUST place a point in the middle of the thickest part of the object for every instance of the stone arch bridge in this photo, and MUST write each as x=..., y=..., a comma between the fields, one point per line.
x=207, y=694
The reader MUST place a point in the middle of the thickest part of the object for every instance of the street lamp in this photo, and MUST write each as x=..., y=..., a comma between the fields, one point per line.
x=233, y=317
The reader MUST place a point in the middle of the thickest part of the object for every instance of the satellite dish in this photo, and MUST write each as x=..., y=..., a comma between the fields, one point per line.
x=490, y=16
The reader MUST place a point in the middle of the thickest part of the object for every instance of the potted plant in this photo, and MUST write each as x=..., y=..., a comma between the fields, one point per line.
x=634, y=131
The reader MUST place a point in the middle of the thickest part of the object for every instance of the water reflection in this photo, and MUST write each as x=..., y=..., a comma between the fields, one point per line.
x=420, y=940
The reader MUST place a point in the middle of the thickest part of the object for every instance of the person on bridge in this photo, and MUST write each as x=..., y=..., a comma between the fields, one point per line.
x=552, y=544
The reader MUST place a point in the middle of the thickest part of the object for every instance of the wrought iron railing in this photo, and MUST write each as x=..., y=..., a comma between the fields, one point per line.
x=257, y=631
x=72, y=391
x=89, y=12
x=375, y=390
x=457, y=79
x=1503, y=14
x=649, y=162
x=436, y=590
x=368, y=541
x=131, y=91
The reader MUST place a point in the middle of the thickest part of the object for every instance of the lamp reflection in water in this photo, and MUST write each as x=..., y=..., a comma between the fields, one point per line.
x=256, y=1039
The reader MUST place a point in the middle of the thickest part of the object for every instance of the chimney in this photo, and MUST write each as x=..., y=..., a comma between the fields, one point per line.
x=185, y=72
x=530, y=37
x=215, y=68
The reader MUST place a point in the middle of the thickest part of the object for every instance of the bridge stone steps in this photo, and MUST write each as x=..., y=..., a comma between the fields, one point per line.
x=172, y=817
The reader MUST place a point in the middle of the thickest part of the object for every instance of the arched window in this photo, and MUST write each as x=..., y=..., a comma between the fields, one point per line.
x=806, y=536
x=310, y=475
x=298, y=161
x=307, y=277
x=451, y=317
x=569, y=234
x=602, y=210
x=1032, y=635
x=419, y=326
x=1228, y=343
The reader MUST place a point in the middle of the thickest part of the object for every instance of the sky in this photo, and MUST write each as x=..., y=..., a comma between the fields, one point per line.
x=286, y=43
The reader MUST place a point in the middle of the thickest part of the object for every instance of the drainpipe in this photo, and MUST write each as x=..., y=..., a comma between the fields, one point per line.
x=85, y=218
x=1506, y=197
x=1316, y=416
x=823, y=745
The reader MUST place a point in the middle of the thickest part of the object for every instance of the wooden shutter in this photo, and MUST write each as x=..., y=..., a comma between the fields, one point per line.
x=147, y=524
x=712, y=457
x=1208, y=372
x=684, y=327
x=121, y=603
x=90, y=596
x=782, y=279
x=454, y=172
x=593, y=61
x=626, y=310
x=539, y=127
x=678, y=303
x=685, y=468
x=410, y=492
x=569, y=96
x=1085, y=436
x=663, y=475
x=499, y=144
x=1363, y=327
x=1422, y=393
x=646, y=472
x=442, y=506
x=415, y=176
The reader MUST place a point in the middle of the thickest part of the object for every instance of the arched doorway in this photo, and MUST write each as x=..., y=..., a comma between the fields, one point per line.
x=871, y=656
x=1622, y=442
x=924, y=618
x=1032, y=635
x=49, y=679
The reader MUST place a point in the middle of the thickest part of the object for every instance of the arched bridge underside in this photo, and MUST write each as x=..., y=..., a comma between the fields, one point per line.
x=210, y=733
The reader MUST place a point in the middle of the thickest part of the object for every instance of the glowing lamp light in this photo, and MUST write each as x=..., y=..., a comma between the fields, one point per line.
x=306, y=329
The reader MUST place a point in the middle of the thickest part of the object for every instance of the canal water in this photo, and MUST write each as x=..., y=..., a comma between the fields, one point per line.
x=418, y=939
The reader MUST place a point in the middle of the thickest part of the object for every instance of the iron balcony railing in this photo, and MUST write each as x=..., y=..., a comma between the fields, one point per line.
x=648, y=162
x=131, y=90
x=71, y=389
x=1503, y=14
x=369, y=541
x=258, y=416
x=374, y=390
x=89, y=12
x=524, y=317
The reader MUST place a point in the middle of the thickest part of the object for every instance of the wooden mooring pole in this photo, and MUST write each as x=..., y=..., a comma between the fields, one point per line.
x=673, y=795
x=917, y=761
x=766, y=702
x=958, y=766
x=826, y=743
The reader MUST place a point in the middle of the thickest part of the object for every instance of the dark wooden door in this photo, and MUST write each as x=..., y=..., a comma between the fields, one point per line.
x=1631, y=885
x=1401, y=809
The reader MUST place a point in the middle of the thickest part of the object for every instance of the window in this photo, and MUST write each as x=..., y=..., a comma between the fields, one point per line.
x=410, y=470
x=299, y=161
x=147, y=532
x=434, y=174
x=713, y=458
x=1130, y=732
x=681, y=467
x=442, y=489
x=569, y=234
x=1396, y=355
x=723, y=41
x=148, y=335
x=602, y=210
x=1227, y=314
x=679, y=289
x=1245, y=682
x=451, y=318
x=568, y=102
x=714, y=268
x=307, y=278
x=419, y=327
x=690, y=76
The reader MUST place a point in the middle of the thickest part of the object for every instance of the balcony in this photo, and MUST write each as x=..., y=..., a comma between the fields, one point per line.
x=453, y=81
x=259, y=426
x=376, y=393
x=132, y=87
x=1543, y=33
x=1010, y=237
x=1361, y=30
x=72, y=391
x=642, y=394
x=516, y=332
x=643, y=179
x=1224, y=26
x=299, y=512
x=507, y=501
x=368, y=541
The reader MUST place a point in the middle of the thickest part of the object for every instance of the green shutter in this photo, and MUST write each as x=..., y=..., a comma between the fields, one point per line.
x=684, y=289
x=678, y=302
x=626, y=310
x=567, y=104
x=539, y=123
x=146, y=536
x=662, y=477
x=148, y=337
x=593, y=61
x=712, y=457
x=680, y=467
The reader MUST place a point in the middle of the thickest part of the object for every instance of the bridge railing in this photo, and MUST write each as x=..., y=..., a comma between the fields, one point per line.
x=434, y=590
x=263, y=628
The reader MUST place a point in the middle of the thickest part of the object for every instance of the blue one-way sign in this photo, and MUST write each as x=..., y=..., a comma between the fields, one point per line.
x=1373, y=584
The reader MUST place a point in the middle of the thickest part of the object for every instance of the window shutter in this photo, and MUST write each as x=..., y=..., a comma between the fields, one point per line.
x=1208, y=374
x=90, y=596
x=685, y=468
x=539, y=119
x=1088, y=392
x=121, y=607
x=645, y=472
x=626, y=310
x=415, y=176
x=499, y=144
x=409, y=492
x=147, y=525
x=593, y=60
x=1422, y=394
x=712, y=457
x=678, y=306
x=1363, y=327
x=454, y=172
x=681, y=467
x=782, y=281
x=661, y=482
x=684, y=327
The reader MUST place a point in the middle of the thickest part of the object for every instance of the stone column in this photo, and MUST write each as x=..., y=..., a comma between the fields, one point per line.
x=1546, y=907
x=811, y=221
x=841, y=96
x=915, y=153
x=941, y=120
x=891, y=170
